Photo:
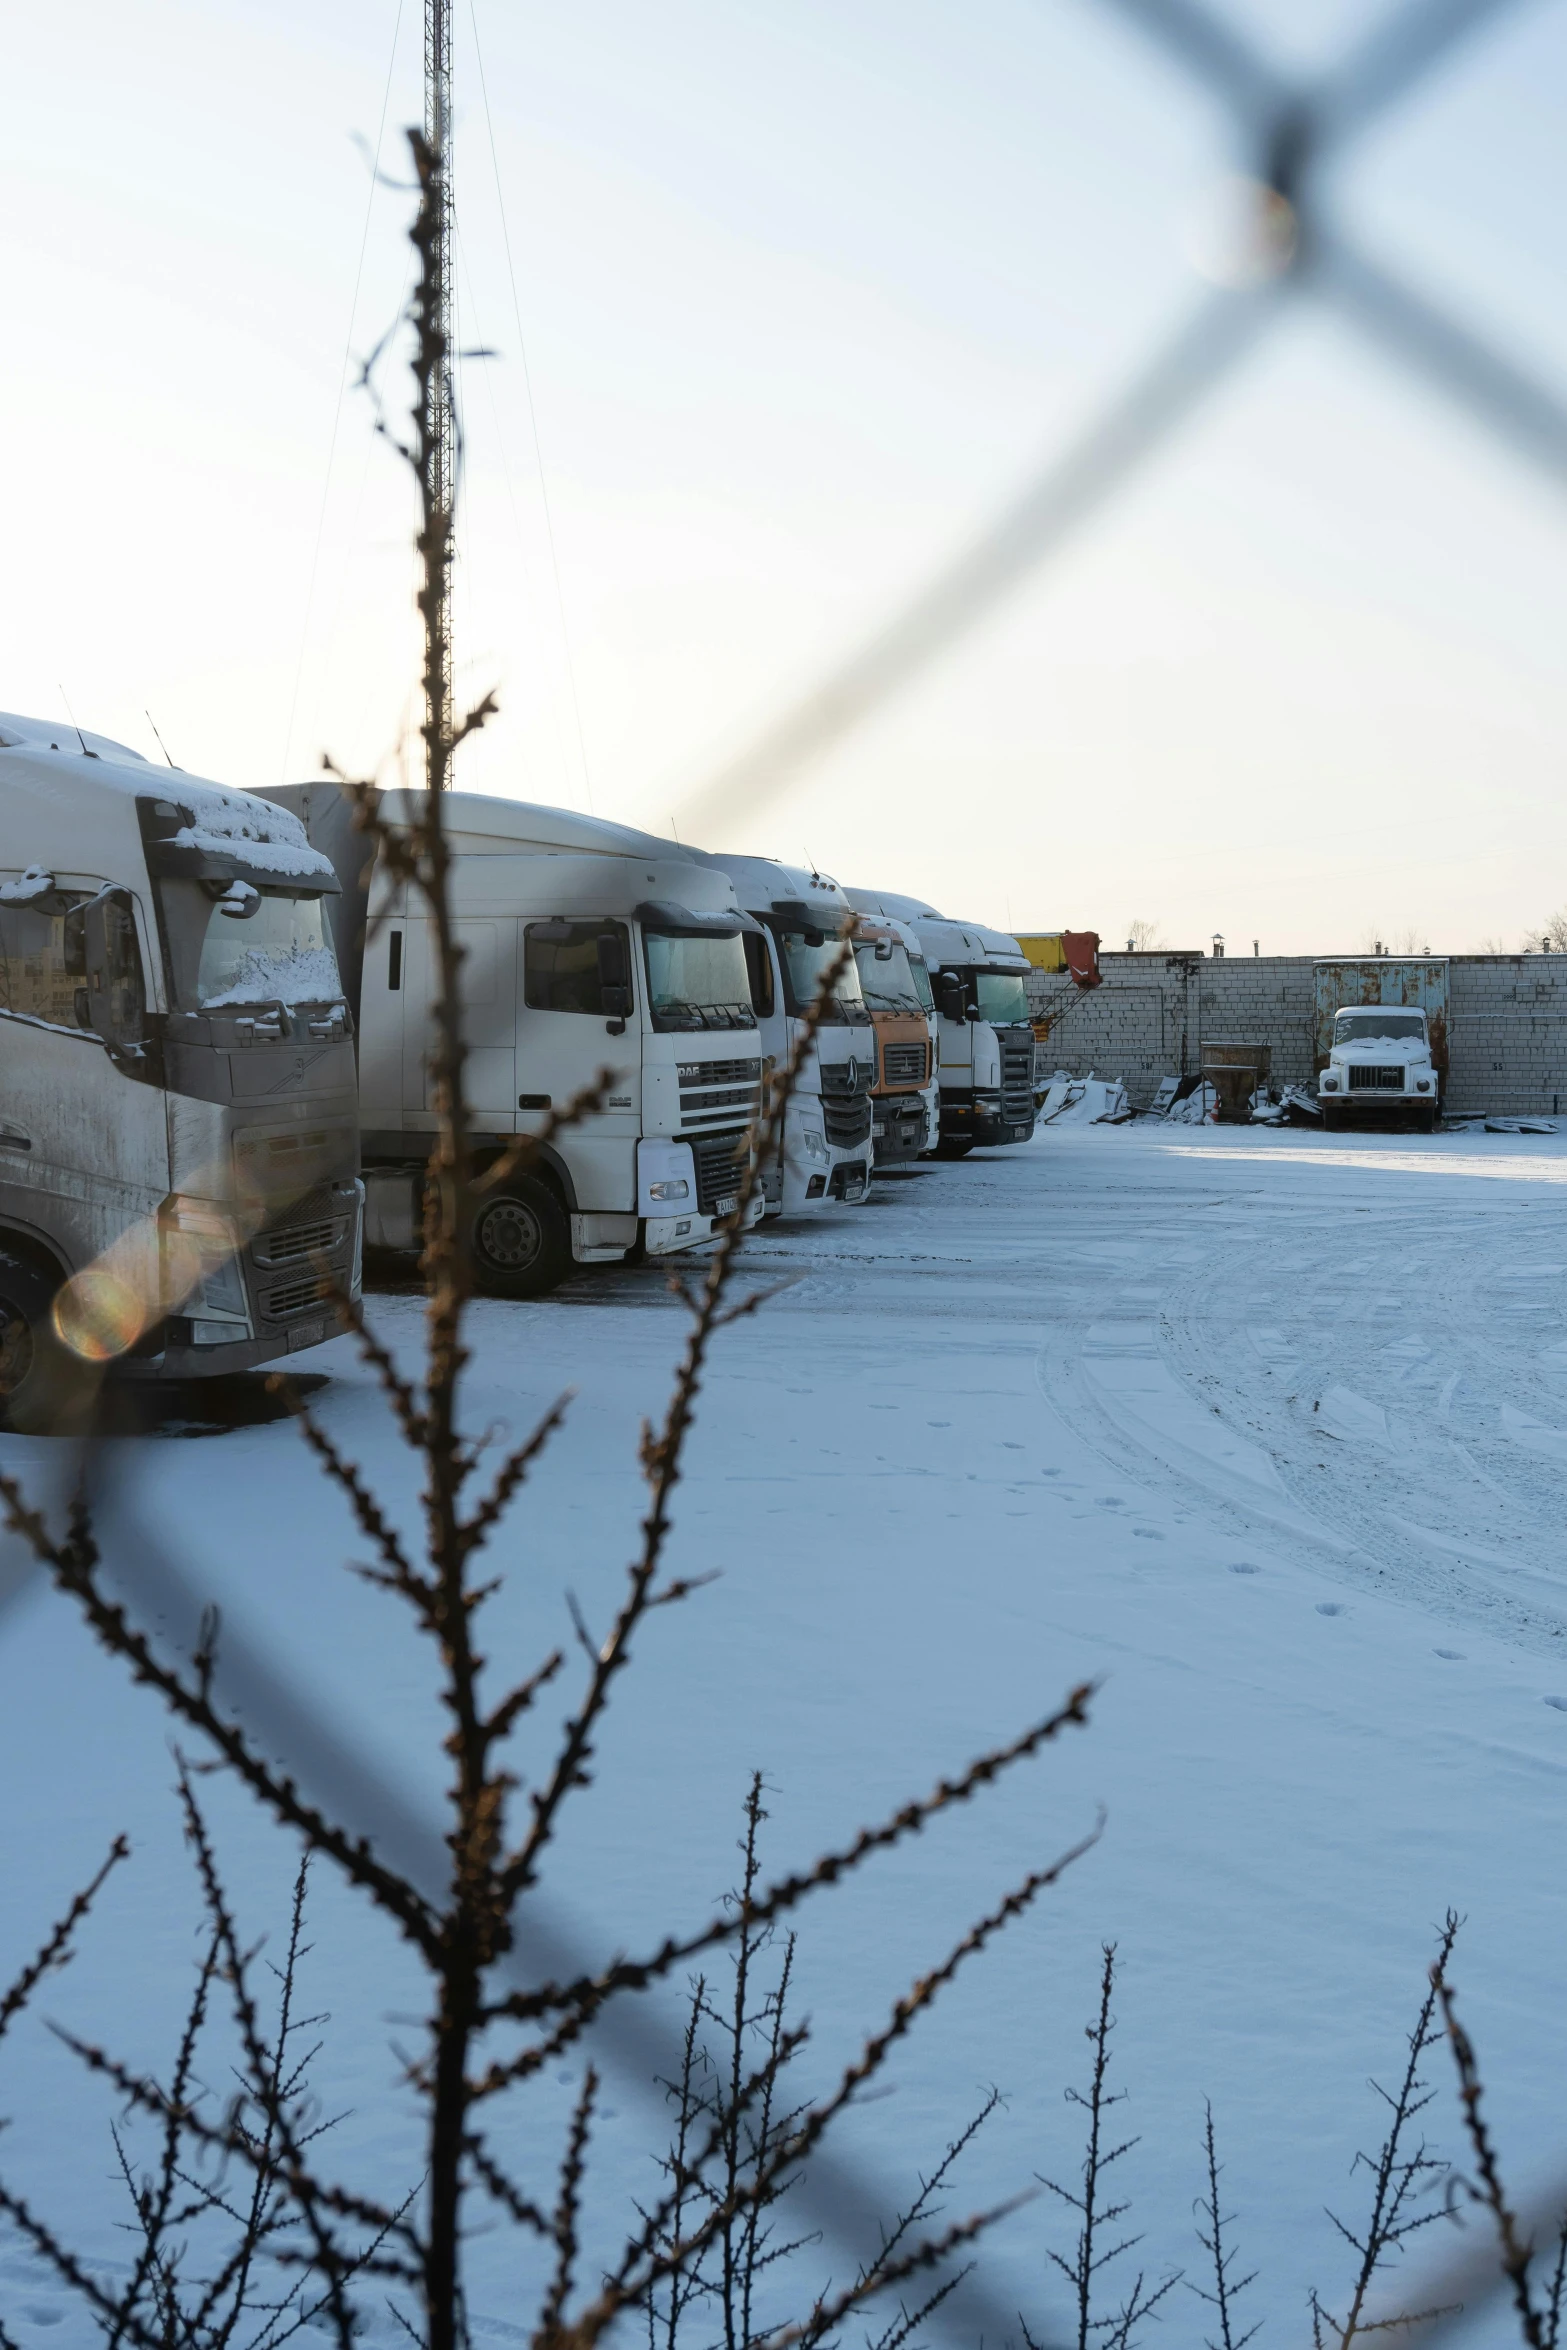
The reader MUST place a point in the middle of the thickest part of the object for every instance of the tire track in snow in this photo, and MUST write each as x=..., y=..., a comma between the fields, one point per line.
x=1318, y=1383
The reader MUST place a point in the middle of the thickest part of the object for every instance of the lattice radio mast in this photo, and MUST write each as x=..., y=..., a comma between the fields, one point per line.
x=441, y=421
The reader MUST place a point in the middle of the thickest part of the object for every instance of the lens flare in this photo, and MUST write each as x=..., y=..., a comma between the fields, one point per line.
x=99, y=1315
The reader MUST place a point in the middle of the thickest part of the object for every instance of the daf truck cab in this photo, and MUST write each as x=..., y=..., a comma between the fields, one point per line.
x=586, y=946
x=179, y=1191
x=904, y=1095
x=800, y=917
x=985, y=1045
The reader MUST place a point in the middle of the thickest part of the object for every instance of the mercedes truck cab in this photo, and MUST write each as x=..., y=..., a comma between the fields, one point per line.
x=825, y=1152
x=904, y=1093
x=586, y=945
x=985, y=1043
x=179, y=1190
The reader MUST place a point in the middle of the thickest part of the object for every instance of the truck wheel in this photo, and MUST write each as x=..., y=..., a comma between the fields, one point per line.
x=39, y=1381
x=520, y=1240
x=955, y=1146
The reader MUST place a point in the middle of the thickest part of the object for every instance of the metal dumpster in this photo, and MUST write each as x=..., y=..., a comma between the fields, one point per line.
x=1235, y=1069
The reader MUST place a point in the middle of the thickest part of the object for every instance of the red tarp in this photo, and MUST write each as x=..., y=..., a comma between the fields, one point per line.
x=1081, y=949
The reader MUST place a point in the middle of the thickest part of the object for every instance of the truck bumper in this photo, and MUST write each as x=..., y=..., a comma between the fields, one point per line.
x=897, y=1128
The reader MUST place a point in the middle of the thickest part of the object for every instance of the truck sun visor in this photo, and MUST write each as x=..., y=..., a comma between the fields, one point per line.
x=683, y=922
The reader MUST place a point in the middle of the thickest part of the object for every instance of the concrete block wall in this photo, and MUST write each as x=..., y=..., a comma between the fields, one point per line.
x=1507, y=1022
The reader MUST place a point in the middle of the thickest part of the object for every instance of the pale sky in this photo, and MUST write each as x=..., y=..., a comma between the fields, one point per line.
x=805, y=289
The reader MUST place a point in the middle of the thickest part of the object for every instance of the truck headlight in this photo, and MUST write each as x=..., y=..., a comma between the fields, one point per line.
x=1330, y=1085
x=814, y=1144
x=1422, y=1085
x=677, y=1188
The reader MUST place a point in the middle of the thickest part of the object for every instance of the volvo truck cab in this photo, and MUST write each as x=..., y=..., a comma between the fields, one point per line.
x=586, y=946
x=800, y=916
x=179, y=1191
x=985, y=1043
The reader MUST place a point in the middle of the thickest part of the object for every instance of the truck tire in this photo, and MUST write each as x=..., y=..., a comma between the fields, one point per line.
x=40, y=1380
x=953, y=1146
x=519, y=1240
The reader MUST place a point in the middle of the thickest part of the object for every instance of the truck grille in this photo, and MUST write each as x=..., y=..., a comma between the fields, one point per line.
x=846, y=1103
x=1017, y=1078
x=732, y=1097
x=720, y=1072
x=720, y=1162
x=904, y=1064
x=1386, y=1080
x=294, y=1296
x=300, y=1240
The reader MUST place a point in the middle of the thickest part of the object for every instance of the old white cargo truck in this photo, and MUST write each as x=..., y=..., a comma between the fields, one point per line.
x=1381, y=1048
x=985, y=1040
x=178, y=1137
x=587, y=945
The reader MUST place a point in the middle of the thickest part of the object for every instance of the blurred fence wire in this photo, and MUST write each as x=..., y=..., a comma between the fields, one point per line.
x=1288, y=244
x=1290, y=247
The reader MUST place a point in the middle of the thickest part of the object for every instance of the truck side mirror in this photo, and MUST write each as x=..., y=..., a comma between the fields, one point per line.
x=113, y=999
x=616, y=1002
x=950, y=998
x=611, y=954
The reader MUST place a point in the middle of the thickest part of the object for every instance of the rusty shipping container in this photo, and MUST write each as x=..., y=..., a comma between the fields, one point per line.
x=1417, y=981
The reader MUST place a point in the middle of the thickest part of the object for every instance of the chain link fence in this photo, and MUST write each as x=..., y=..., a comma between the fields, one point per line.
x=1289, y=250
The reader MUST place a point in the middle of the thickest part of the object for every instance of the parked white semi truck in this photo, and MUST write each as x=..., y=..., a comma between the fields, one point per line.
x=587, y=945
x=178, y=1137
x=985, y=1041
x=800, y=917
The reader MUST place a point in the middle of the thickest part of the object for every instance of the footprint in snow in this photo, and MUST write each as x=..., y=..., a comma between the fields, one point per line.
x=1243, y=1567
x=1108, y=1501
x=1147, y=1533
x=1007, y=1445
x=938, y=1423
x=1330, y=1607
x=1560, y=1704
x=1454, y=1656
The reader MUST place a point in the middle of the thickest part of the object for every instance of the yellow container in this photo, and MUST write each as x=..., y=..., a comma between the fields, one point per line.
x=1043, y=949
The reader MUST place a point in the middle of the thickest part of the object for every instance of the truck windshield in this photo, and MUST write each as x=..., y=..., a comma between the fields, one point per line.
x=886, y=981
x=280, y=954
x=806, y=965
x=1000, y=998
x=922, y=986
x=697, y=982
x=275, y=948
x=1376, y=1021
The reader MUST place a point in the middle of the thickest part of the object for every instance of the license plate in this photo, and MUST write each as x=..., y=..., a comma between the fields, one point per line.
x=306, y=1334
x=724, y=1207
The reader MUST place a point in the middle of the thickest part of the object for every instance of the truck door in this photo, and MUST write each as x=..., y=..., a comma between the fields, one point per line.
x=488, y=990
x=84, y=1146
x=576, y=1014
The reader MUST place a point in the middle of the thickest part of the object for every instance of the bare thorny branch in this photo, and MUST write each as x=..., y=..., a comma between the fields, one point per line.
x=465, y=1930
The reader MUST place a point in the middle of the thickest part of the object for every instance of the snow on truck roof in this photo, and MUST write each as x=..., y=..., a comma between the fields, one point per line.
x=943, y=940
x=66, y=771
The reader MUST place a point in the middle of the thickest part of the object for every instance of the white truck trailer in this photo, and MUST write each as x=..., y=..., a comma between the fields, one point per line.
x=587, y=945
x=800, y=918
x=985, y=1040
x=178, y=1137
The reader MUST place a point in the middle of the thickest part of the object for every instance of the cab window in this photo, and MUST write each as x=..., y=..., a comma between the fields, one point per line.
x=567, y=965
x=41, y=963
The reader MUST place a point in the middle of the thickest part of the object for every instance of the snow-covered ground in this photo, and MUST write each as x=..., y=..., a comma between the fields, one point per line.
x=1264, y=1430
